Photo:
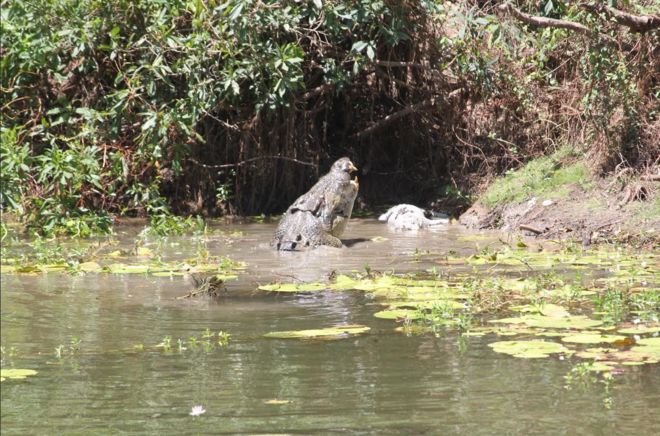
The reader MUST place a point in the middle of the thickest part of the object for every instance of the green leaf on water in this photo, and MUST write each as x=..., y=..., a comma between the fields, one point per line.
x=590, y=338
x=293, y=287
x=640, y=330
x=337, y=332
x=90, y=267
x=635, y=356
x=16, y=373
x=53, y=267
x=398, y=314
x=528, y=349
x=648, y=346
x=540, y=321
x=554, y=311
x=120, y=268
x=426, y=304
x=650, y=342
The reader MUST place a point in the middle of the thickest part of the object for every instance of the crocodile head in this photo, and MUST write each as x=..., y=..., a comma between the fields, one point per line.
x=343, y=165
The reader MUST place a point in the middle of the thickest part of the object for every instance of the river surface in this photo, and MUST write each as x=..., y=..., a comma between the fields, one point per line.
x=117, y=381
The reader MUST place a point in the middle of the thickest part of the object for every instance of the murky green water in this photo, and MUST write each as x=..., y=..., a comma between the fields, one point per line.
x=382, y=382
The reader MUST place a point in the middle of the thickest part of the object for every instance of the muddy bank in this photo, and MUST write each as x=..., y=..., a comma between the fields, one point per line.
x=608, y=210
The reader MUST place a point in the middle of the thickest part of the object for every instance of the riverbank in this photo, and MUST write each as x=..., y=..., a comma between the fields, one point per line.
x=558, y=197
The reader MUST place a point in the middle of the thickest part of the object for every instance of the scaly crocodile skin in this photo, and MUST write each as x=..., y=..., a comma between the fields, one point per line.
x=320, y=215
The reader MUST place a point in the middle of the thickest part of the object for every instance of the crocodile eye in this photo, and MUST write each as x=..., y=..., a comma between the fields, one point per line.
x=293, y=245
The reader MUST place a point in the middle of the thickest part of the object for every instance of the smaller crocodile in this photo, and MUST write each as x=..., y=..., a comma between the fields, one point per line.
x=302, y=230
x=407, y=216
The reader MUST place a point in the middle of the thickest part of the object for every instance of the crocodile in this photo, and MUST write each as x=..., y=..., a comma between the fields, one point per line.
x=320, y=216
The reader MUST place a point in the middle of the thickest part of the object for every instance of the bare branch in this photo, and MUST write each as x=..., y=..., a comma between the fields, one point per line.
x=401, y=64
x=402, y=113
x=246, y=161
x=638, y=23
x=551, y=22
x=317, y=91
x=395, y=116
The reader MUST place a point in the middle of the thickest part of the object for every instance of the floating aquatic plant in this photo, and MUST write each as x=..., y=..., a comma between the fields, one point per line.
x=528, y=349
x=640, y=329
x=277, y=402
x=337, y=332
x=399, y=314
x=592, y=338
x=293, y=287
x=16, y=373
x=577, y=322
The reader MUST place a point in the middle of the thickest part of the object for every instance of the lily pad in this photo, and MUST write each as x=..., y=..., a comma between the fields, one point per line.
x=650, y=342
x=640, y=330
x=540, y=321
x=648, y=346
x=636, y=355
x=277, y=402
x=120, y=268
x=550, y=334
x=554, y=311
x=293, y=287
x=7, y=269
x=590, y=338
x=398, y=314
x=90, y=267
x=528, y=349
x=426, y=304
x=16, y=373
x=336, y=332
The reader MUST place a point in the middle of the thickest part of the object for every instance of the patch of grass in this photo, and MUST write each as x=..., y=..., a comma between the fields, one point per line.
x=651, y=209
x=546, y=176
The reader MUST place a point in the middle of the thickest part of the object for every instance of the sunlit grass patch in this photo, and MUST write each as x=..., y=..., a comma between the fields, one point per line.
x=546, y=177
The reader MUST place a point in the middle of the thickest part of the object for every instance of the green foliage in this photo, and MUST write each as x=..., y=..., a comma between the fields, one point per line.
x=165, y=224
x=103, y=103
x=15, y=164
x=100, y=96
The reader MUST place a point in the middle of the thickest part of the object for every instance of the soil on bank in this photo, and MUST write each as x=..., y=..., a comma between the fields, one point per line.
x=567, y=203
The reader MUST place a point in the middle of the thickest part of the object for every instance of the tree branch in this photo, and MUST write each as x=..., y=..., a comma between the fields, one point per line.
x=551, y=22
x=638, y=23
x=402, y=113
x=395, y=116
x=246, y=161
x=318, y=91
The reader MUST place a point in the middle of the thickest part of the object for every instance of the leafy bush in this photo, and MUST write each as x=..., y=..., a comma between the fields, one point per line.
x=132, y=107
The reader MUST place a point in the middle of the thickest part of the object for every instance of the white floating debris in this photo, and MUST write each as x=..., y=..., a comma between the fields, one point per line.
x=197, y=410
